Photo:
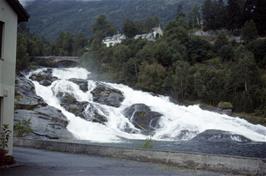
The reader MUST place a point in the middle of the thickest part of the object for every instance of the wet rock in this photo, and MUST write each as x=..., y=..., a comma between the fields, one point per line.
x=181, y=135
x=25, y=95
x=142, y=117
x=95, y=114
x=46, y=122
x=70, y=103
x=220, y=136
x=107, y=95
x=129, y=129
x=45, y=78
x=83, y=84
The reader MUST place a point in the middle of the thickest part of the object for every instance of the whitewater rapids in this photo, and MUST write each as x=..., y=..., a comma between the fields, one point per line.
x=175, y=120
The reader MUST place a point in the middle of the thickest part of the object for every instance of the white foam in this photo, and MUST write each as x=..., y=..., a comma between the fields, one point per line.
x=175, y=118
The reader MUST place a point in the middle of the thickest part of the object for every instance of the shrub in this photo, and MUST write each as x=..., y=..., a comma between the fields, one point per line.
x=225, y=105
x=22, y=128
x=148, y=144
x=4, y=136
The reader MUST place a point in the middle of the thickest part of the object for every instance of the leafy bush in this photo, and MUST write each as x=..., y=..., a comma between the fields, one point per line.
x=148, y=143
x=22, y=128
x=4, y=136
x=225, y=105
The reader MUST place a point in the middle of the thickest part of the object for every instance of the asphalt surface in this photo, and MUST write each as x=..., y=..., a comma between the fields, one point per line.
x=34, y=162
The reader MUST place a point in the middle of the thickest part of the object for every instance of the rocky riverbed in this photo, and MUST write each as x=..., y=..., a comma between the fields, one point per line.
x=65, y=104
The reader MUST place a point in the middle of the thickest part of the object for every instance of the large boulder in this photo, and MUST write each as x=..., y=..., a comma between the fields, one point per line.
x=25, y=95
x=142, y=117
x=44, y=78
x=84, y=110
x=69, y=102
x=95, y=114
x=45, y=122
x=107, y=95
x=220, y=136
x=83, y=84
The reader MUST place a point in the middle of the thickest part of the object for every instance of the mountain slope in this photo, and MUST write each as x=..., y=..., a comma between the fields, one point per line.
x=50, y=17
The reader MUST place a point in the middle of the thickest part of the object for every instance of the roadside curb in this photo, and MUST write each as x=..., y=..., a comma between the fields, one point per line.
x=232, y=164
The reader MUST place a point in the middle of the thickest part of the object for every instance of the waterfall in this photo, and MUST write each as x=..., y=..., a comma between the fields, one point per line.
x=176, y=120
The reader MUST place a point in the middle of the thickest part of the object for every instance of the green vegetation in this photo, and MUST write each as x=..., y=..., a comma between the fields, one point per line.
x=29, y=45
x=22, y=128
x=4, y=136
x=132, y=28
x=233, y=15
x=148, y=144
x=188, y=67
x=180, y=64
x=5, y=159
x=249, y=31
x=49, y=18
x=225, y=105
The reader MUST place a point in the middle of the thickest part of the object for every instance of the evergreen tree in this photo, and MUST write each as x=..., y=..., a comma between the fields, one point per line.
x=194, y=17
x=181, y=80
x=207, y=13
x=220, y=41
x=101, y=29
x=249, y=31
x=260, y=16
x=151, y=77
x=131, y=29
x=213, y=14
x=245, y=81
x=233, y=15
x=23, y=57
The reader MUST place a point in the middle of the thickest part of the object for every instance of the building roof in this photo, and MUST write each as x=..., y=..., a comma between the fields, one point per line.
x=19, y=9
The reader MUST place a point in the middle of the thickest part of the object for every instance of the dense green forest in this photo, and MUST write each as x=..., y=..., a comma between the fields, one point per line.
x=182, y=65
x=49, y=18
x=66, y=44
x=189, y=67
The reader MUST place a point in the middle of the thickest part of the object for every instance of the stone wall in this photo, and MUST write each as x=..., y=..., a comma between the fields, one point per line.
x=232, y=164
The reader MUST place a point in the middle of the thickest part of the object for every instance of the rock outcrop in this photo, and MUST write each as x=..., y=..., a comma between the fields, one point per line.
x=25, y=95
x=95, y=114
x=142, y=117
x=70, y=103
x=84, y=110
x=45, y=78
x=83, y=84
x=107, y=95
x=220, y=136
x=46, y=121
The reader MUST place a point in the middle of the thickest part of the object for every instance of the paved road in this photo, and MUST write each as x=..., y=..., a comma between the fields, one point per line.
x=46, y=163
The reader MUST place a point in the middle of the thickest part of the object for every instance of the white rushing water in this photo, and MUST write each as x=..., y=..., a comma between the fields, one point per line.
x=175, y=118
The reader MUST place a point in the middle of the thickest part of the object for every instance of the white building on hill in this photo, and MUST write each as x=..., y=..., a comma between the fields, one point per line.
x=152, y=36
x=114, y=40
x=118, y=38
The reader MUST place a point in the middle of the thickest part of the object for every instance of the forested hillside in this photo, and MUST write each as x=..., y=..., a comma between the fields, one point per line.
x=49, y=17
x=225, y=67
x=218, y=69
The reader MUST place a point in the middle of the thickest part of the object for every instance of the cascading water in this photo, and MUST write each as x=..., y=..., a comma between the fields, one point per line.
x=174, y=121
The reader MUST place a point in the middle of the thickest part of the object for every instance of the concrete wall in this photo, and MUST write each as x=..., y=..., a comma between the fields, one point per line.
x=232, y=164
x=8, y=65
